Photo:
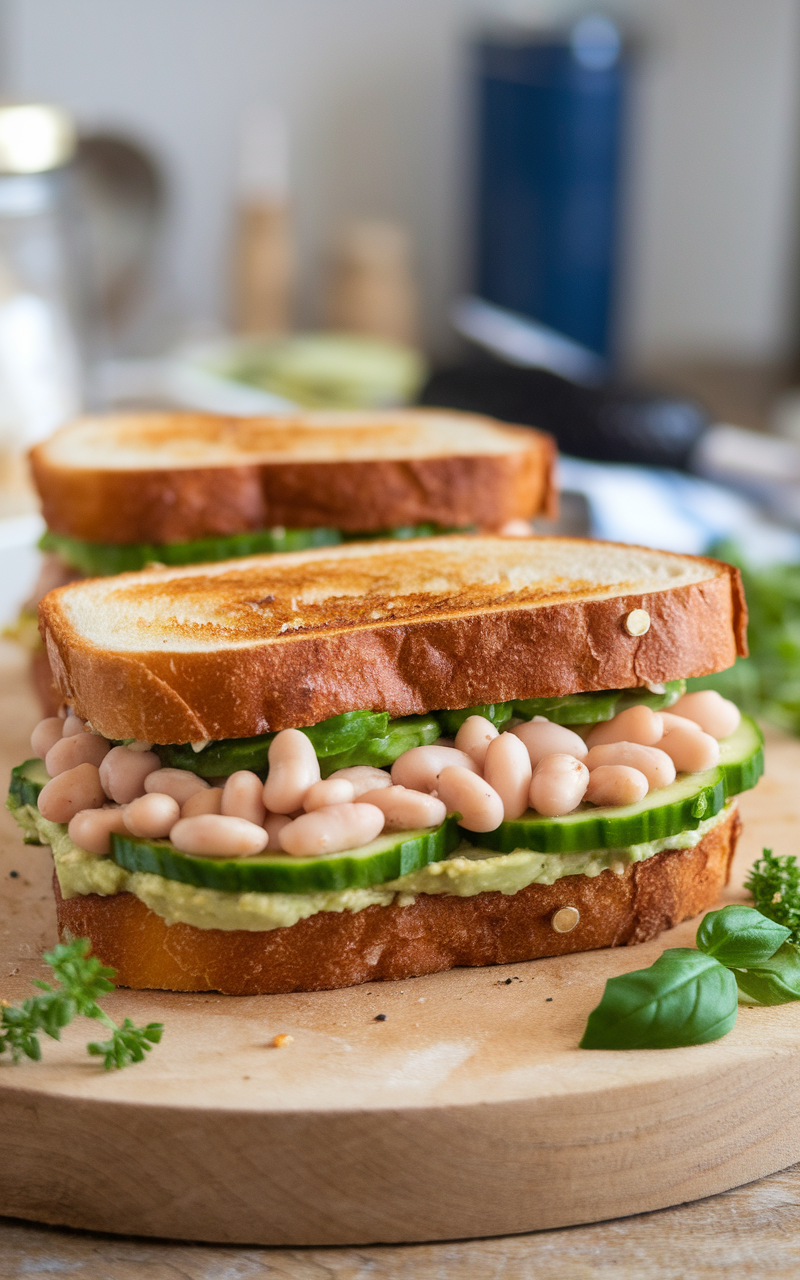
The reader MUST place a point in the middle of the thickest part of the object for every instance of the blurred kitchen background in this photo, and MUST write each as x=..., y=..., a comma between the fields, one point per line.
x=580, y=218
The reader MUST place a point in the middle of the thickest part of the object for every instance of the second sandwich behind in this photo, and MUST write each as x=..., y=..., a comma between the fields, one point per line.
x=123, y=491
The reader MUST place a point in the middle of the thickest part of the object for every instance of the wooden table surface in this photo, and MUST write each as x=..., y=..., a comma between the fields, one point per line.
x=753, y=1231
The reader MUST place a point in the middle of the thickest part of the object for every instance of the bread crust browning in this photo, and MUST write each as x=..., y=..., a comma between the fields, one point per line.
x=405, y=668
x=333, y=949
x=157, y=506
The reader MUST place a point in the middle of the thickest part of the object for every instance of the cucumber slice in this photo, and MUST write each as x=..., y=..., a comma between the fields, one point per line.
x=691, y=799
x=384, y=859
x=591, y=708
x=741, y=757
x=26, y=782
x=680, y=807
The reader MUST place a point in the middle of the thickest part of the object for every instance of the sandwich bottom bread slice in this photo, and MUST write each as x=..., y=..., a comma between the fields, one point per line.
x=307, y=771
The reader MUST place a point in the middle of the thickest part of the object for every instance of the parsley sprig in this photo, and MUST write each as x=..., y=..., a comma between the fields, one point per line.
x=775, y=885
x=81, y=980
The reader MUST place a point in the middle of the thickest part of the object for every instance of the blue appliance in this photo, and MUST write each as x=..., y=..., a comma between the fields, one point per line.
x=550, y=116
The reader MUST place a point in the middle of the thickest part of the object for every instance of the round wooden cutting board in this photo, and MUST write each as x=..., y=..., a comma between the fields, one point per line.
x=468, y=1111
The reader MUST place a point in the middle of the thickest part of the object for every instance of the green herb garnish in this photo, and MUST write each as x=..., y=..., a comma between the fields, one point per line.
x=81, y=980
x=767, y=684
x=775, y=885
x=685, y=998
x=691, y=997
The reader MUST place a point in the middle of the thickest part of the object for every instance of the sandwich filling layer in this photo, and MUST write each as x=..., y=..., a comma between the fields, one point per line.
x=194, y=869
x=468, y=871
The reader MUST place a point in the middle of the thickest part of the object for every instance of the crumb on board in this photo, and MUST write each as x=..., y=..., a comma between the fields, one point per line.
x=281, y=1041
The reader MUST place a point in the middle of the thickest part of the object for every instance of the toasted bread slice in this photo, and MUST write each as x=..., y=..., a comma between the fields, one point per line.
x=268, y=642
x=162, y=478
x=340, y=949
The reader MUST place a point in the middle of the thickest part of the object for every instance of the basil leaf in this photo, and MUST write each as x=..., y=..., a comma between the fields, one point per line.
x=685, y=998
x=740, y=937
x=776, y=980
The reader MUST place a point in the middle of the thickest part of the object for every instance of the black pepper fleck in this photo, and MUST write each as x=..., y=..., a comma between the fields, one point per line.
x=379, y=1017
x=548, y=1000
x=508, y=982
x=14, y=874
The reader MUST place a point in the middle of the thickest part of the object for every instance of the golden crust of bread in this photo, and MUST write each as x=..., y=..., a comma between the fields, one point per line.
x=181, y=655
x=333, y=949
x=244, y=476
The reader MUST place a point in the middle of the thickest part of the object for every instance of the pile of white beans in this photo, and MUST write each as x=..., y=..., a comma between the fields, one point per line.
x=485, y=776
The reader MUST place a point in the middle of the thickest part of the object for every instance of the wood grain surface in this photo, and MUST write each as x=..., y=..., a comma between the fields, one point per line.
x=750, y=1233
x=468, y=1111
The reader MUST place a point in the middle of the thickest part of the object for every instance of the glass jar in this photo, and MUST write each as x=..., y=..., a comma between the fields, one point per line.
x=40, y=384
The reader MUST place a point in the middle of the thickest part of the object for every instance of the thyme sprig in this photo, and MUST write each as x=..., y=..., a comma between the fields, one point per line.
x=81, y=980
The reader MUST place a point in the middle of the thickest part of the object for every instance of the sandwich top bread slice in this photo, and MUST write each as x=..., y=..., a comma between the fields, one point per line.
x=372, y=761
x=122, y=490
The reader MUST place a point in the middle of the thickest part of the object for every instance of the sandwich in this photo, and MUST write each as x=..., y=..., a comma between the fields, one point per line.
x=122, y=491
x=382, y=759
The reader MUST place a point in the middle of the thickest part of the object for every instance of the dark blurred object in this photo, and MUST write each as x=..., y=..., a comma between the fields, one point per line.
x=551, y=111
x=521, y=341
x=607, y=424
x=120, y=194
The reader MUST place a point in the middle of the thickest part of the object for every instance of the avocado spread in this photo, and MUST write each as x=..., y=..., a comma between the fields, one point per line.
x=468, y=871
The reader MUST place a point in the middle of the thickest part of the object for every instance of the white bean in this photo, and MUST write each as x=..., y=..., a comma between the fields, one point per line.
x=152, y=816
x=419, y=768
x=342, y=826
x=243, y=797
x=543, y=738
x=273, y=825
x=507, y=768
x=209, y=801
x=558, y=785
x=123, y=772
x=72, y=725
x=654, y=763
x=178, y=783
x=321, y=795
x=69, y=793
x=474, y=737
x=91, y=829
x=84, y=748
x=690, y=750
x=213, y=835
x=467, y=793
x=364, y=777
x=293, y=768
x=406, y=810
x=714, y=714
x=616, y=784
x=45, y=735
x=636, y=724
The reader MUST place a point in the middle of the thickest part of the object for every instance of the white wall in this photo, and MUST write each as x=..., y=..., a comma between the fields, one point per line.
x=375, y=95
x=712, y=250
